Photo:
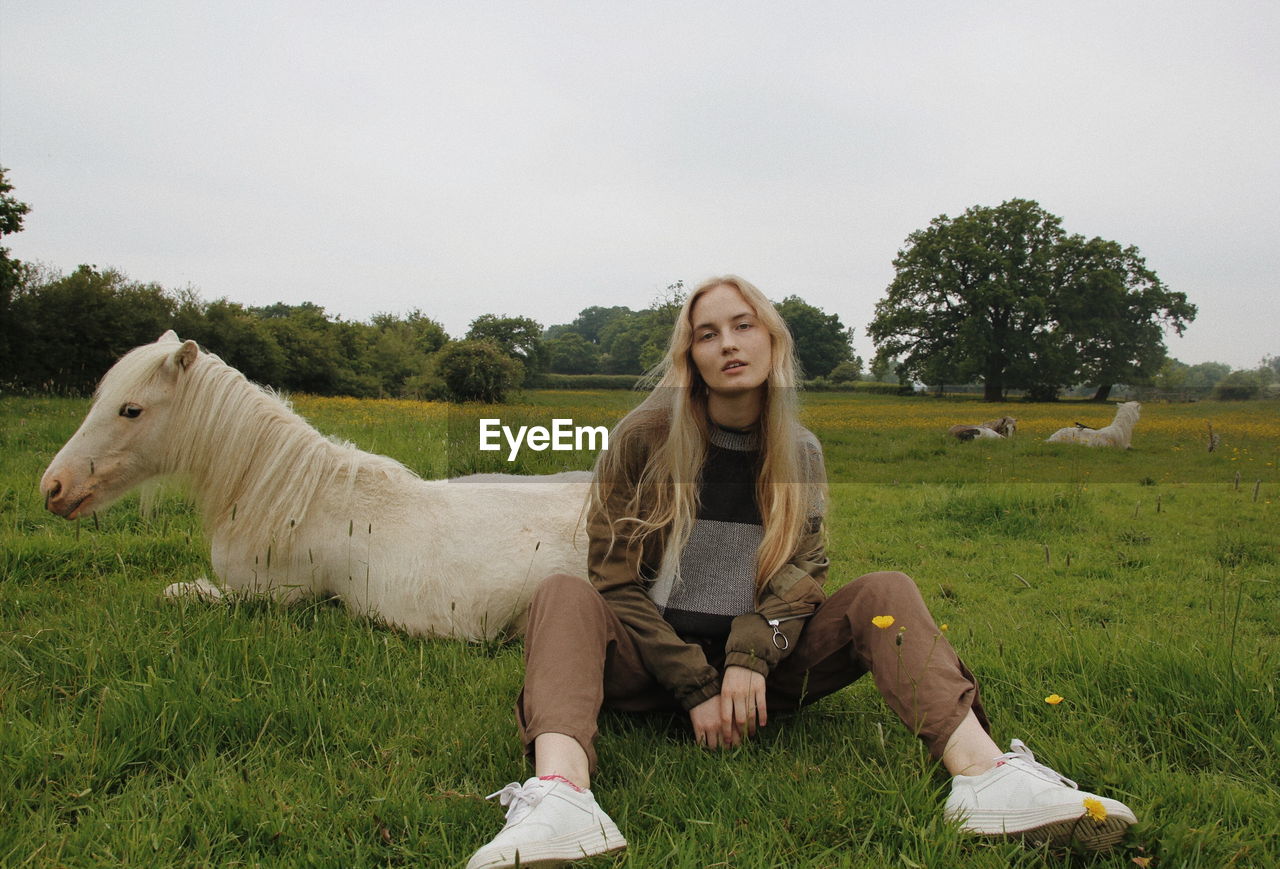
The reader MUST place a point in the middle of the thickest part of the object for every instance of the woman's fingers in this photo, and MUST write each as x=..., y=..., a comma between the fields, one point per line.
x=742, y=708
x=706, y=721
x=744, y=715
x=737, y=716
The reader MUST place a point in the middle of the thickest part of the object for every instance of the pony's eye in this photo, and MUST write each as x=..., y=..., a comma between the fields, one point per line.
x=130, y=411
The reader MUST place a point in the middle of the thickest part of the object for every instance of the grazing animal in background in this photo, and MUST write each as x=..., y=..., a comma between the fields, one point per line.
x=1118, y=434
x=1004, y=427
x=291, y=513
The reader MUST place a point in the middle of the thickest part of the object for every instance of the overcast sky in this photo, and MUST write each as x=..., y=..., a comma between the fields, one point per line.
x=535, y=158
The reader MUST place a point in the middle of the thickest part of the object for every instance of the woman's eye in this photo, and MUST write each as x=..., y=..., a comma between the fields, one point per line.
x=130, y=411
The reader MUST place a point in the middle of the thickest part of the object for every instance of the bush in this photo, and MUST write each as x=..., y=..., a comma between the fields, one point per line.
x=1238, y=386
x=477, y=371
x=845, y=372
x=871, y=387
x=426, y=386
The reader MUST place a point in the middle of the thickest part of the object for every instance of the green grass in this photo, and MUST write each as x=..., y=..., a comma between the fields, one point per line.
x=1142, y=586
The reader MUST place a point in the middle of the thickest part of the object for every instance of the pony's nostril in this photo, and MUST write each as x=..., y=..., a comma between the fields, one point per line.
x=55, y=490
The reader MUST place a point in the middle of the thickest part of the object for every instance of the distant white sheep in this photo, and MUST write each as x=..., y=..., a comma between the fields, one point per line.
x=1118, y=434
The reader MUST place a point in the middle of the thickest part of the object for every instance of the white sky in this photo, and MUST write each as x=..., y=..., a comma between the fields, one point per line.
x=534, y=158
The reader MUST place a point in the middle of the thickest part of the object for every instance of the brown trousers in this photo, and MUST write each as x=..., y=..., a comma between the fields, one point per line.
x=580, y=656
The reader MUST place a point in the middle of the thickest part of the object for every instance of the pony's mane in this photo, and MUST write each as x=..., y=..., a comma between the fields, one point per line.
x=250, y=458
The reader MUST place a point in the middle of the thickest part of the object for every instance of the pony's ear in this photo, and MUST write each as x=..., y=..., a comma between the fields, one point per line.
x=184, y=356
x=170, y=337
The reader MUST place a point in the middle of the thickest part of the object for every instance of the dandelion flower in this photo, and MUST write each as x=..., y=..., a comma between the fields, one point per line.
x=1054, y=699
x=943, y=627
x=1095, y=809
x=882, y=621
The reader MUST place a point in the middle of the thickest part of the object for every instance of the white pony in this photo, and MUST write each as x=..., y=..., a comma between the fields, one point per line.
x=1117, y=434
x=291, y=513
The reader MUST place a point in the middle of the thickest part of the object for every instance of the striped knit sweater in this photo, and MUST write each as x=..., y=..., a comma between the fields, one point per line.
x=715, y=580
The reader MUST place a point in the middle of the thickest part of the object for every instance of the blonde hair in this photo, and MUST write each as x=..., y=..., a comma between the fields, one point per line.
x=669, y=432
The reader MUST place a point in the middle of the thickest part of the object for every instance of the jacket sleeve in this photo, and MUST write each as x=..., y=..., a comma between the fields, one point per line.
x=617, y=568
x=792, y=594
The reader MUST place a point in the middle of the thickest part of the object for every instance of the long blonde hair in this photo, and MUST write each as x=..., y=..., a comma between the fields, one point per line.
x=669, y=432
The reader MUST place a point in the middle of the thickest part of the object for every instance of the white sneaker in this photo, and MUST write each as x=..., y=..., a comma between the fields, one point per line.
x=548, y=823
x=1023, y=799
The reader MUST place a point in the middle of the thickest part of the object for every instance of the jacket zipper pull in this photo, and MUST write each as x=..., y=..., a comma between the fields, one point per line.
x=780, y=640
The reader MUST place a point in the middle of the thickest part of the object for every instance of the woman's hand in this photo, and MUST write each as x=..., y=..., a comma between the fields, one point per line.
x=705, y=718
x=742, y=704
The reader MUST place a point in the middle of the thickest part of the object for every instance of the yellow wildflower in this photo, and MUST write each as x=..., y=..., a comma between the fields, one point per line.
x=882, y=621
x=943, y=627
x=1095, y=809
x=1054, y=699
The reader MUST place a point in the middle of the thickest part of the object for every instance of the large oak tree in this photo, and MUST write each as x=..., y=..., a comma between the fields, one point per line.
x=1004, y=296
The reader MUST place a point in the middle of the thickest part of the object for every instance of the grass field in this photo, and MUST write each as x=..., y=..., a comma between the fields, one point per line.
x=1142, y=586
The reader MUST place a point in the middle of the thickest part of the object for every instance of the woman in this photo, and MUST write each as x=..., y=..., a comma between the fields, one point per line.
x=706, y=561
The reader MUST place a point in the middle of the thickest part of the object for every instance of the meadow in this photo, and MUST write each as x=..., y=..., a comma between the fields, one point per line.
x=1141, y=586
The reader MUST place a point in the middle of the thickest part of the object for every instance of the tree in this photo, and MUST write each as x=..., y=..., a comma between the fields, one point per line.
x=428, y=335
x=399, y=352
x=313, y=359
x=1112, y=312
x=967, y=294
x=570, y=353
x=518, y=337
x=1002, y=295
x=12, y=271
x=884, y=370
x=76, y=326
x=1205, y=375
x=591, y=321
x=478, y=371
x=1172, y=374
x=227, y=329
x=633, y=342
x=822, y=341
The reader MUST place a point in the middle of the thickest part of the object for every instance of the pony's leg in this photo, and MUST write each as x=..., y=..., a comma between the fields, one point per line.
x=202, y=590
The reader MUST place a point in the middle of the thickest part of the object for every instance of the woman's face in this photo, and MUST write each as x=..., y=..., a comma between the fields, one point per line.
x=731, y=347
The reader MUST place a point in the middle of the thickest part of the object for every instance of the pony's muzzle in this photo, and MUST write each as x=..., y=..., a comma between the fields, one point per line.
x=56, y=499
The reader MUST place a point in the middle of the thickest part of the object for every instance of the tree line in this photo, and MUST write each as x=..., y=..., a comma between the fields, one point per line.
x=61, y=332
x=1000, y=296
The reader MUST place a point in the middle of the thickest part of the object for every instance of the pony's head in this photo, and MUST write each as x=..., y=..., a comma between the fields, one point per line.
x=122, y=438
x=1127, y=413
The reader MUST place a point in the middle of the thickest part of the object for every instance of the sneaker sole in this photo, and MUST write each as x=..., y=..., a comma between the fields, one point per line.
x=1090, y=834
x=554, y=852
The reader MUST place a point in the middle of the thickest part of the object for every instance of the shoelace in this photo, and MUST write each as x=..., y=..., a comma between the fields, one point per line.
x=518, y=799
x=1023, y=754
